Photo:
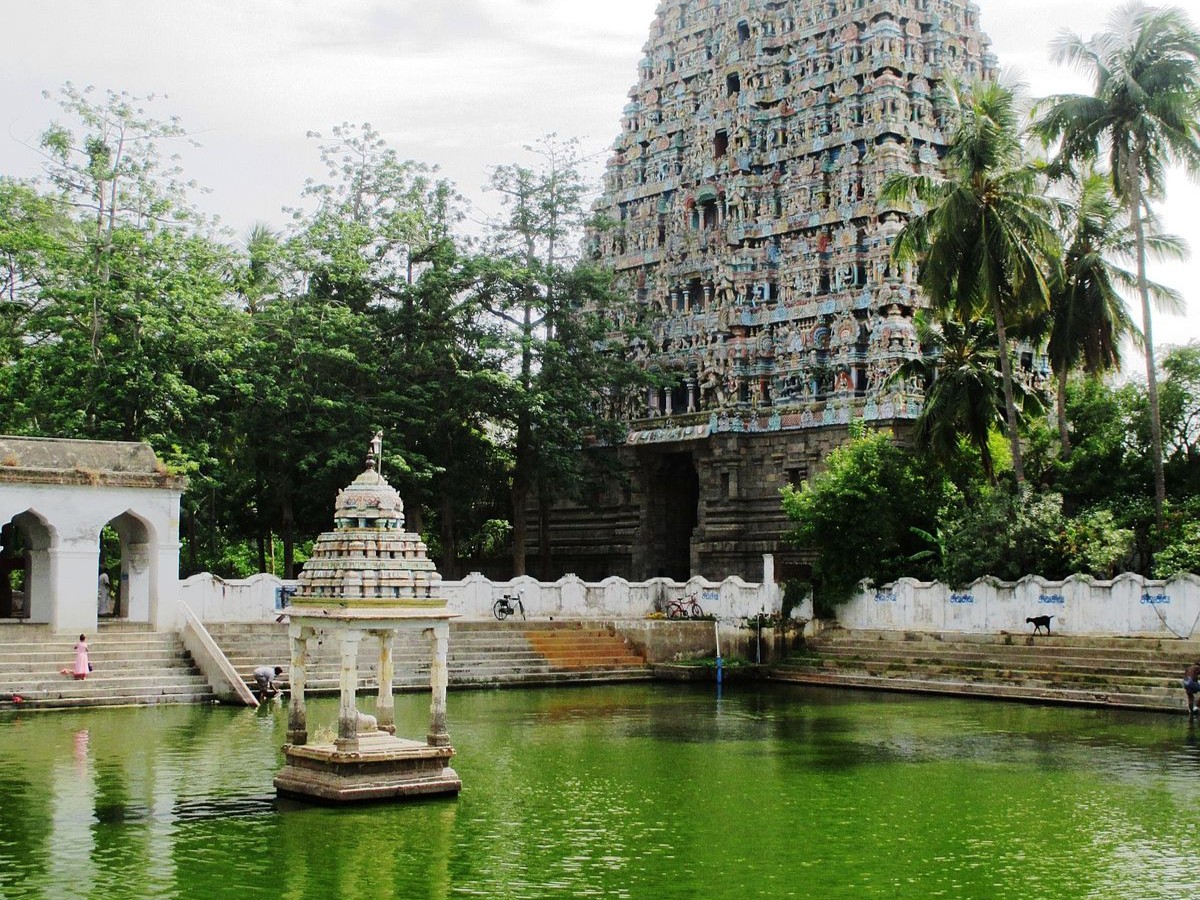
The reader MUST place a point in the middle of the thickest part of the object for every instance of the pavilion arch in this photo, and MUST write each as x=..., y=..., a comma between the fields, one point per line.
x=130, y=587
x=62, y=494
x=25, y=542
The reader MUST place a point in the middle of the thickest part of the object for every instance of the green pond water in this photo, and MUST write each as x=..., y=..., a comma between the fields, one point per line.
x=637, y=791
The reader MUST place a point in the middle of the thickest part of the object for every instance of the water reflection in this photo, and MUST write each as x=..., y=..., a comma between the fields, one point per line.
x=635, y=791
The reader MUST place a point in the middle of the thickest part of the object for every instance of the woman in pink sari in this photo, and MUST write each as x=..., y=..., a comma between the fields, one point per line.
x=82, y=665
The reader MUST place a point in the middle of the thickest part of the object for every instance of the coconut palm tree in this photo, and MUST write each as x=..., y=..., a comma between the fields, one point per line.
x=964, y=388
x=1144, y=115
x=259, y=279
x=985, y=242
x=1088, y=319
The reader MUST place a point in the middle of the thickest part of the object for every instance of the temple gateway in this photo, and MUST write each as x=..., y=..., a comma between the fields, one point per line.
x=745, y=221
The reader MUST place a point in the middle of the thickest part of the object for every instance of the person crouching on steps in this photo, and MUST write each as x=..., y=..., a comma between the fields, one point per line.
x=1191, y=684
x=264, y=678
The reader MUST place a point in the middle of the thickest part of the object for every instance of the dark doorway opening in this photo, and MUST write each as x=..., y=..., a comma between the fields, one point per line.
x=674, y=514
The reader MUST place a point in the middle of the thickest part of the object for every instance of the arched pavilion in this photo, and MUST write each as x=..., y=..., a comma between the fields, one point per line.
x=57, y=497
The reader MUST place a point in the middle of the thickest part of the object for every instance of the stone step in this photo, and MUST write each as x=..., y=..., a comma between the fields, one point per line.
x=27, y=662
x=1165, y=657
x=488, y=679
x=1107, y=698
x=1125, y=644
x=98, y=683
x=1107, y=666
x=204, y=695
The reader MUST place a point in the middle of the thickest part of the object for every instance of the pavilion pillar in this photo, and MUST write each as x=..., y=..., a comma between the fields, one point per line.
x=439, y=677
x=347, y=739
x=297, y=681
x=385, y=711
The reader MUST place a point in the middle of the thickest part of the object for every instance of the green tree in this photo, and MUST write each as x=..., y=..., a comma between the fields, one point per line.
x=557, y=311
x=360, y=231
x=867, y=514
x=442, y=392
x=1143, y=115
x=985, y=242
x=1088, y=319
x=964, y=389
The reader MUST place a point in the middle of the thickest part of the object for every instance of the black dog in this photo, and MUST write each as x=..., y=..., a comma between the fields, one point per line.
x=1039, y=622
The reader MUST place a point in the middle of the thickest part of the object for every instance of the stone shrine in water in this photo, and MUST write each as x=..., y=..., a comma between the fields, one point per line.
x=367, y=577
x=744, y=221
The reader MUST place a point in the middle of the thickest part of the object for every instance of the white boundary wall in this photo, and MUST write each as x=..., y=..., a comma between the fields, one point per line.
x=1127, y=605
x=254, y=599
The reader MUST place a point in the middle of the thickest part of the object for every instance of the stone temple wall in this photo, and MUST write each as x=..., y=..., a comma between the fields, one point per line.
x=743, y=215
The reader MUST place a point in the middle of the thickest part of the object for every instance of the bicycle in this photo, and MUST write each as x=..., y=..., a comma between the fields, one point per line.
x=507, y=606
x=684, y=608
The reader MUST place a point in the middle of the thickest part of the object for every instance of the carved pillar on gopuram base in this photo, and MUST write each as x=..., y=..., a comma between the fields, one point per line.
x=385, y=711
x=298, y=680
x=439, y=676
x=347, y=739
x=691, y=395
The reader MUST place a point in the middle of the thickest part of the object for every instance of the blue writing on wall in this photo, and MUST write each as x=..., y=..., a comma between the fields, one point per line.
x=1155, y=600
x=881, y=597
x=1053, y=599
x=961, y=599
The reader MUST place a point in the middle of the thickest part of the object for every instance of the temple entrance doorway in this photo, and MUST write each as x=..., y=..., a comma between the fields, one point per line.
x=673, y=513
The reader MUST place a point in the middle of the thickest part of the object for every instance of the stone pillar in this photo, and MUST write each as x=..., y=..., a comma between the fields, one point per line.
x=347, y=739
x=439, y=676
x=691, y=395
x=297, y=680
x=653, y=395
x=385, y=712
x=74, y=568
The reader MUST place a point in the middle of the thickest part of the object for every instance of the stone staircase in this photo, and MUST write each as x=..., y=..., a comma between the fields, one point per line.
x=1135, y=672
x=482, y=654
x=133, y=666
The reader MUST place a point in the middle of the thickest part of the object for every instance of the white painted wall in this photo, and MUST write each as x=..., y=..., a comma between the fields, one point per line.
x=1127, y=605
x=254, y=599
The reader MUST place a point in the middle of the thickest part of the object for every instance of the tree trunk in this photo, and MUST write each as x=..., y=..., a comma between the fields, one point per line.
x=1156, y=445
x=545, y=556
x=288, y=535
x=1064, y=433
x=1010, y=403
x=520, y=496
x=448, y=537
x=523, y=457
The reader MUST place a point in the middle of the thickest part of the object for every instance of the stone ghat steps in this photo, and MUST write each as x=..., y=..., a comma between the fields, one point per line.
x=1065, y=663
x=1089, y=682
x=1151, y=648
x=481, y=654
x=133, y=665
x=1139, y=672
x=36, y=660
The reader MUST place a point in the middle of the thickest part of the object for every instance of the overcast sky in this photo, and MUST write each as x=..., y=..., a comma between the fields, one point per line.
x=460, y=83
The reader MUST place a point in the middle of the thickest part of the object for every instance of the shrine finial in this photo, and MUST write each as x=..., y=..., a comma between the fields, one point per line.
x=375, y=454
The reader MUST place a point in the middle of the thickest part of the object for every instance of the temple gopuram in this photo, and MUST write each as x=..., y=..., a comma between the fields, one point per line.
x=743, y=216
